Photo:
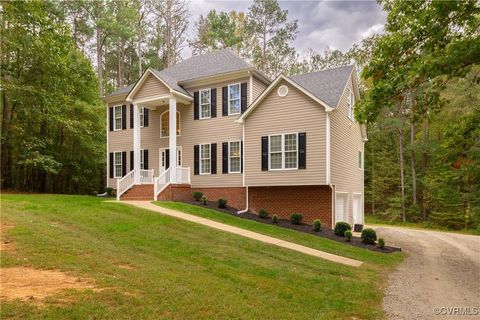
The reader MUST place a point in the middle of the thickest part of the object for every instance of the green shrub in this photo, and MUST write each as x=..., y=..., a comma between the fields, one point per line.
x=204, y=200
x=296, y=218
x=369, y=236
x=109, y=191
x=380, y=243
x=263, y=213
x=341, y=227
x=197, y=195
x=317, y=225
x=222, y=203
x=348, y=235
x=274, y=218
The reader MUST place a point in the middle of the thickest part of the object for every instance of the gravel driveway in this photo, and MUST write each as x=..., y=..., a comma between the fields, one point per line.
x=441, y=270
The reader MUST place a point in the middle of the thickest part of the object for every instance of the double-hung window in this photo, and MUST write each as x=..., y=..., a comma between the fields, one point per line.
x=205, y=105
x=283, y=150
x=117, y=118
x=205, y=159
x=234, y=157
x=117, y=165
x=351, y=105
x=234, y=99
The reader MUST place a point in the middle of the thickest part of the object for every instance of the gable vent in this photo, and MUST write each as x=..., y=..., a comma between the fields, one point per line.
x=282, y=91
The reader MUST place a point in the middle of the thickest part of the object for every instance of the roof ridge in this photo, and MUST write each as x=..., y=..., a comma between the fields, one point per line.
x=323, y=70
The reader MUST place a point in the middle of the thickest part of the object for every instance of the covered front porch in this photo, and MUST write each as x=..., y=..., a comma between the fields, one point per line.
x=175, y=173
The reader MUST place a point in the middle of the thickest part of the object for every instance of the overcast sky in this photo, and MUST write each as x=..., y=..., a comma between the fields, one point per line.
x=321, y=24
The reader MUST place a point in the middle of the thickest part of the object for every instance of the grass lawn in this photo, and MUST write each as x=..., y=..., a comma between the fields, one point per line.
x=181, y=270
x=375, y=220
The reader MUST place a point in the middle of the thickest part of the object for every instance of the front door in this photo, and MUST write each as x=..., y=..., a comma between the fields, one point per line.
x=165, y=158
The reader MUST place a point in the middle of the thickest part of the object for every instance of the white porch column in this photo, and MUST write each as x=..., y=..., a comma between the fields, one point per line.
x=172, y=134
x=136, y=142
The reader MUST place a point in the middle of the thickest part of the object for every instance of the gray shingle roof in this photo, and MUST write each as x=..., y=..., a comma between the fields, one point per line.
x=327, y=85
x=211, y=63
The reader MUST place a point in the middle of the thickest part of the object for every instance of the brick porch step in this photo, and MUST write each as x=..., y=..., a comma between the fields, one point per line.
x=139, y=192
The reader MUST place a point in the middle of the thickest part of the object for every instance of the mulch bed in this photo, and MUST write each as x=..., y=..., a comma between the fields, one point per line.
x=305, y=228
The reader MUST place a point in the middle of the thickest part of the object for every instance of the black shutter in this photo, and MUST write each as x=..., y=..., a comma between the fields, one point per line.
x=241, y=156
x=124, y=117
x=265, y=153
x=196, y=106
x=124, y=163
x=243, y=96
x=110, y=118
x=131, y=116
x=213, y=102
x=213, y=158
x=196, y=159
x=110, y=165
x=302, y=150
x=131, y=160
x=167, y=159
x=145, y=117
x=225, y=157
x=145, y=158
x=225, y=101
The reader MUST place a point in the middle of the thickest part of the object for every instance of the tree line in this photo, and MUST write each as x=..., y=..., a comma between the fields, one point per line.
x=419, y=88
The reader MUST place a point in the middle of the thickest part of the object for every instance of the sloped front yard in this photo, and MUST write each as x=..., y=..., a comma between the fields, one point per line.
x=147, y=266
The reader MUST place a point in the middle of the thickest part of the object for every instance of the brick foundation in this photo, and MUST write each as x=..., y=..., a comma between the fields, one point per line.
x=183, y=192
x=139, y=192
x=313, y=202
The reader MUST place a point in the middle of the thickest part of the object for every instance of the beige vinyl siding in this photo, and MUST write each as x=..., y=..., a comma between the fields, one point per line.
x=258, y=87
x=275, y=115
x=151, y=87
x=345, y=142
x=214, y=130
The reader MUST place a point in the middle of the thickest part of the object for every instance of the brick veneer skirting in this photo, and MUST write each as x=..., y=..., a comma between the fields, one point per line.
x=183, y=192
x=313, y=202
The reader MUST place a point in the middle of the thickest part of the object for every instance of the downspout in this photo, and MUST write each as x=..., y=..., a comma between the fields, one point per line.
x=243, y=173
x=327, y=163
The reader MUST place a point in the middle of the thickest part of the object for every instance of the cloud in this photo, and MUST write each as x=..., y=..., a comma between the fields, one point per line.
x=321, y=24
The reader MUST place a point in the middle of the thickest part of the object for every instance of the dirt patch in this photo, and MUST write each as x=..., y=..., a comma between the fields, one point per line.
x=126, y=266
x=34, y=285
x=305, y=228
x=5, y=244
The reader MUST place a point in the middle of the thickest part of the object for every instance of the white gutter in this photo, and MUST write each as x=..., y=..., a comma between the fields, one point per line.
x=246, y=200
x=327, y=147
x=243, y=173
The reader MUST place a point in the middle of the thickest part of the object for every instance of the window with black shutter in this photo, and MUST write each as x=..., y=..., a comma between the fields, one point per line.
x=196, y=106
x=124, y=163
x=145, y=159
x=110, y=118
x=110, y=165
x=225, y=157
x=124, y=117
x=243, y=97
x=213, y=102
x=213, y=153
x=196, y=159
x=302, y=150
x=131, y=116
x=131, y=160
x=146, y=113
x=225, y=101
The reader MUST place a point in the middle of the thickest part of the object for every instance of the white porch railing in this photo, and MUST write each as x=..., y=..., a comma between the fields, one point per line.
x=146, y=176
x=160, y=183
x=125, y=183
x=183, y=175
x=164, y=180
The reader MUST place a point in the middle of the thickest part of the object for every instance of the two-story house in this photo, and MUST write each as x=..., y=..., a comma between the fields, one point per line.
x=215, y=124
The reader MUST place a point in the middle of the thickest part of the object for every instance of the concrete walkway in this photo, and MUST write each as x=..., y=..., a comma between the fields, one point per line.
x=246, y=233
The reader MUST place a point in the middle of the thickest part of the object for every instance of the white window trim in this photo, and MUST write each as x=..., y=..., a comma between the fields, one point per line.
x=282, y=151
x=200, y=103
x=239, y=98
x=142, y=159
x=240, y=156
x=179, y=124
x=351, y=105
x=200, y=158
x=115, y=165
x=115, y=118
x=142, y=117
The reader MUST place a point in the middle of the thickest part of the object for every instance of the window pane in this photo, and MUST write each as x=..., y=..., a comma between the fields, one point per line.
x=118, y=112
x=275, y=143
x=118, y=164
x=234, y=106
x=205, y=111
x=118, y=123
x=205, y=166
x=205, y=151
x=234, y=91
x=205, y=96
x=276, y=160
x=164, y=122
x=235, y=164
x=290, y=142
x=234, y=99
x=234, y=149
x=290, y=160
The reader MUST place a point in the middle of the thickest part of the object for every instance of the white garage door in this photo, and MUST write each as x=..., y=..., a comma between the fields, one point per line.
x=357, y=209
x=341, y=206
